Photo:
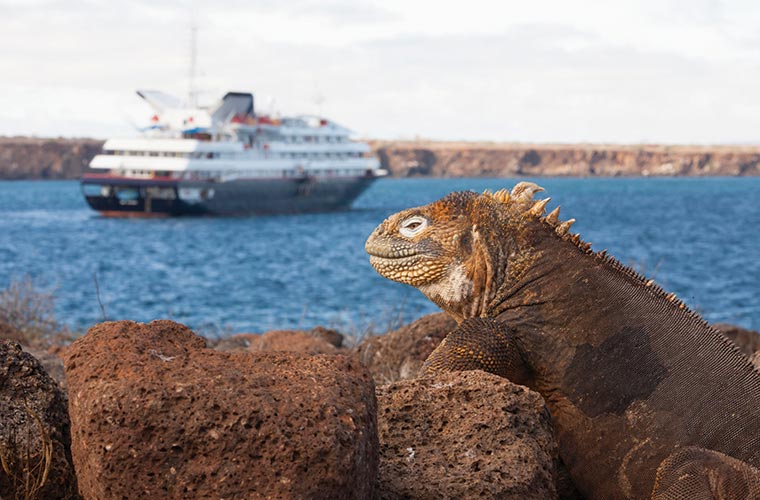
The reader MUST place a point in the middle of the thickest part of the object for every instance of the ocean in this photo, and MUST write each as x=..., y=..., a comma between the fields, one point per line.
x=696, y=237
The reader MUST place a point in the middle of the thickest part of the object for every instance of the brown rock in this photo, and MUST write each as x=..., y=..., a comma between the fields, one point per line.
x=748, y=341
x=277, y=340
x=329, y=335
x=399, y=354
x=293, y=340
x=239, y=342
x=156, y=414
x=34, y=429
x=464, y=435
x=52, y=363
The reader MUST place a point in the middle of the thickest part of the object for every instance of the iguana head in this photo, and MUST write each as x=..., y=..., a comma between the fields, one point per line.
x=460, y=250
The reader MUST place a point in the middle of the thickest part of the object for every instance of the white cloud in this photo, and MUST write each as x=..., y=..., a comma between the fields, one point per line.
x=627, y=71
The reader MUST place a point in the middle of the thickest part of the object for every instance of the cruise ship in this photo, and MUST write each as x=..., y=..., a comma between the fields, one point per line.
x=227, y=159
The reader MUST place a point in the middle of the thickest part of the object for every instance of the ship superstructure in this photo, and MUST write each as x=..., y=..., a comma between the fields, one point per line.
x=227, y=159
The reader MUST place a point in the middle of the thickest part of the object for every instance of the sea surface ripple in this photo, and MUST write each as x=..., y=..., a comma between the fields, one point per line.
x=696, y=237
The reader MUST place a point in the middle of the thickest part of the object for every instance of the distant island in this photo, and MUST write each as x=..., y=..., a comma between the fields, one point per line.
x=58, y=158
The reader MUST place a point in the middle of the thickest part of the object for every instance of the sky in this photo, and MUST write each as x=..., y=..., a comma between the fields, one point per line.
x=623, y=71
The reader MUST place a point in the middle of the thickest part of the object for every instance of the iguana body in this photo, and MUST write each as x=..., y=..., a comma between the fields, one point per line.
x=635, y=382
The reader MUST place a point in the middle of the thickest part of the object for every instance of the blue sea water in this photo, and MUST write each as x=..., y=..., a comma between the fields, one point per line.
x=696, y=237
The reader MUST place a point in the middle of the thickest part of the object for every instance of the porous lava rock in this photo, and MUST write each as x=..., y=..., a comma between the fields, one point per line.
x=278, y=340
x=34, y=430
x=399, y=355
x=332, y=337
x=464, y=435
x=52, y=363
x=236, y=343
x=748, y=341
x=293, y=340
x=156, y=414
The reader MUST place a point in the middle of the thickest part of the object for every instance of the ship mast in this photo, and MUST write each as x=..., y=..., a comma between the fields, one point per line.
x=192, y=94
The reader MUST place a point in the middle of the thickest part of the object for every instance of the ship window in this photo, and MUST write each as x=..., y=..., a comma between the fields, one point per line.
x=127, y=194
x=92, y=189
x=160, y=193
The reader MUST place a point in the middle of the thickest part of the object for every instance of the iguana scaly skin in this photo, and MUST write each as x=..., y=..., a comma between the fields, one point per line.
x=646, y=398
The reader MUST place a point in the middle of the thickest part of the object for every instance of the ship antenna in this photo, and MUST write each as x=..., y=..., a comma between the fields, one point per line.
x=318, y=99
x=192, y=96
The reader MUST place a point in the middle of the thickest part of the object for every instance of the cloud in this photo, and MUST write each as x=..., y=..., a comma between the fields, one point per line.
x=547, y=71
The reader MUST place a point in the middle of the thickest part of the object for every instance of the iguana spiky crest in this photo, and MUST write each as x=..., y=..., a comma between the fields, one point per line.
x=441, y=260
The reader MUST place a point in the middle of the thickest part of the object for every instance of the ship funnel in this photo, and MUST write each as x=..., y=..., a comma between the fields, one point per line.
x=233, y=104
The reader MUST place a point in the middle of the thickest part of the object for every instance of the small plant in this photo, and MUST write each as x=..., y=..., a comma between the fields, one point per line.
x=30, y=311
x=356, y=331
x=27, y=465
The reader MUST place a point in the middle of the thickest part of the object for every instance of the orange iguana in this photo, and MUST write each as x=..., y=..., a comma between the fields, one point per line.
x=647, y=400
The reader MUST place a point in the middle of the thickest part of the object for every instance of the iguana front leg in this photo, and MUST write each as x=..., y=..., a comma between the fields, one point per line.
x=489, y=345
x=698, y=474
x=479, y=344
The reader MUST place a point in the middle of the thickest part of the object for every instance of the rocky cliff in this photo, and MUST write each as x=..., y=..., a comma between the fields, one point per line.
x=461, y=159
x=36, y=158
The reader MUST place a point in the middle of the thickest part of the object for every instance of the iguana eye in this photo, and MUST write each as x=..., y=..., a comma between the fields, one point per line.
x=412, y=226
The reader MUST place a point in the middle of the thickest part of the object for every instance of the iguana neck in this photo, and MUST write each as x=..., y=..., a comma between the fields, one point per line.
x=505, y=273
x=547, y=287
x=571, y=297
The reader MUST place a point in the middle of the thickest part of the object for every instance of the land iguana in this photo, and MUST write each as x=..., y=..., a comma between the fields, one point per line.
x=647, y=400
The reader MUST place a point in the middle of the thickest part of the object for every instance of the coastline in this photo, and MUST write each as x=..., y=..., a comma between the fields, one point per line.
x=30, y=158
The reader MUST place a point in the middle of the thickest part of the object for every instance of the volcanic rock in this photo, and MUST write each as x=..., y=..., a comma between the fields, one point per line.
x=399, y=354
x=52, y=364
x=279, y=340
x=464, y=435
x=34, y=430
x=748, y=341
x=329, y=335
x=156, y=414
x=293, y=340
x=239, y=342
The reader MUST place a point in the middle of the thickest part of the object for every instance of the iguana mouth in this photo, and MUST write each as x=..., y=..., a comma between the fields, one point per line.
x=412, y=269
x=389, y=251
x=390, y=255
x=395, y=260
